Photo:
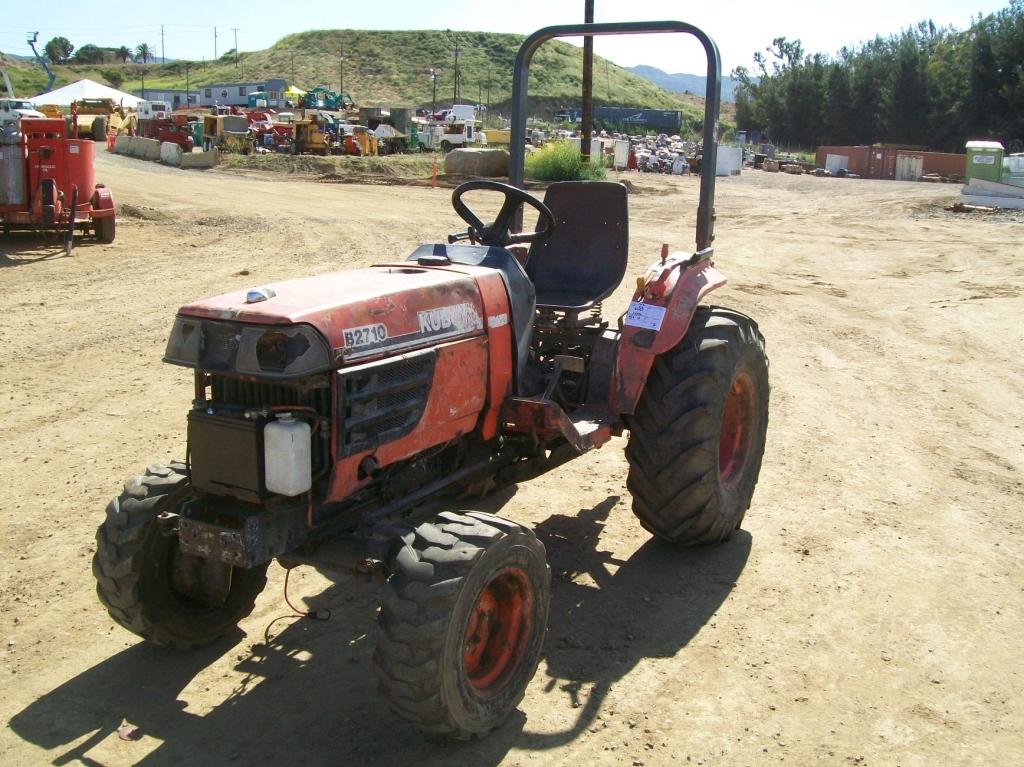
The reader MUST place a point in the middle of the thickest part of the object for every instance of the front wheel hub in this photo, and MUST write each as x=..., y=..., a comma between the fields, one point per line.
x=497, y=631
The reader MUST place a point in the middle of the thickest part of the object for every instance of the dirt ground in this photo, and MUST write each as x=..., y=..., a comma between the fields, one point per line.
x=870, y=612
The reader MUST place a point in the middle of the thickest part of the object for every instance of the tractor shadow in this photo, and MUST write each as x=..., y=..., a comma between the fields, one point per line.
x=608, y=615
x=24, y=248
x=306, y=693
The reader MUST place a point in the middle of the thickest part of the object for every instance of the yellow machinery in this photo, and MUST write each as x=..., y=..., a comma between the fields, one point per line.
x=229, y=133
x=309, y=139
x=94, y=117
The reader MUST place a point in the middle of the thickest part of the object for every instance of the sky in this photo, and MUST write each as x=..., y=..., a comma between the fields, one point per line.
x=740, y=28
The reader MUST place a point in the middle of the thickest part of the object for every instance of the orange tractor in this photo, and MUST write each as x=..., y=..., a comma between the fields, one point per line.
x=336, y=419
x=47, y=182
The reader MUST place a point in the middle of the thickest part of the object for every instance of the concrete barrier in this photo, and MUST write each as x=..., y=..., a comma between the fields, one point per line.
x=122, y=145
x=144, y=148
x=170, y=154
x=206, y=159
x=477, y=162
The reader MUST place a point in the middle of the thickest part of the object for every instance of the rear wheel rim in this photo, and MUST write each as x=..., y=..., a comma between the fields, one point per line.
x=736, y=430
x=498, y=631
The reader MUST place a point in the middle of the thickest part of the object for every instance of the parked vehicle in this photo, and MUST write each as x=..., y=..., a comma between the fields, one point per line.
x=335, y=420
x=47, y=181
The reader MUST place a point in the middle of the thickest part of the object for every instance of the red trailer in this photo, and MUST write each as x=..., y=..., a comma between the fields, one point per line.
x=47, y=181
x=174, y=129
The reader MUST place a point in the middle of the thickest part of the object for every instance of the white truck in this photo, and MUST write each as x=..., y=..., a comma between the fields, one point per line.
x=153, y=110
x=15, y=109
x=452, y=128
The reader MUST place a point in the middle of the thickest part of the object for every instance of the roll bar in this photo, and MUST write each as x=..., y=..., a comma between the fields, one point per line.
x=712, y=97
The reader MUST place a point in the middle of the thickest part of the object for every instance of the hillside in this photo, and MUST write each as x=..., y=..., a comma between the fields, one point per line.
x=387, y=67
x=684, y=83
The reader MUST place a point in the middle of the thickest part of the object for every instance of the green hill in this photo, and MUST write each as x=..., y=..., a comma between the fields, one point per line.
x=388, y=68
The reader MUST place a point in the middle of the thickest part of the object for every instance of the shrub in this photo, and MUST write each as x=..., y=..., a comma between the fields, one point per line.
x=560, y=161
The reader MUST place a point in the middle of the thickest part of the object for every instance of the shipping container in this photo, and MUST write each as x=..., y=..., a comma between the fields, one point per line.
x=891, y=162
x=850, y=158
x=657, y=120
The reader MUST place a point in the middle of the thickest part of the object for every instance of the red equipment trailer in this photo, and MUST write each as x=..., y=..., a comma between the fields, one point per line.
x=174, y=129
x=47, y=181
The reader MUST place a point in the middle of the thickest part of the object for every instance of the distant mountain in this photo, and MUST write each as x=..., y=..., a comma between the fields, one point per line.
x=683, y=83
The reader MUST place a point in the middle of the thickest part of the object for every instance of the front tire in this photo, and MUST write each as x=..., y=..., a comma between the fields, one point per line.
x=153, y=589
x=462, y=625
x=698, y=434
x=105, y=229
x=99, y=129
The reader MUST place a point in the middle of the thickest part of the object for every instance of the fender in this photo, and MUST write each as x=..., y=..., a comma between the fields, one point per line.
x=102, y=203
x=657, y=319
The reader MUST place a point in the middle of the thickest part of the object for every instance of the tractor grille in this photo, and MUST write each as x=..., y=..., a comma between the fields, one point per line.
x=382, y=401
x=236, y=394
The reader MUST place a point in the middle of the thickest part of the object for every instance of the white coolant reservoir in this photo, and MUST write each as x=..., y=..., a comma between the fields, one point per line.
x=287, y=456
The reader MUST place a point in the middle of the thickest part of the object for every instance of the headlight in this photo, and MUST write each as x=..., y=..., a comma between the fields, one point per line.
x=224, y=347
x=287, y=352
x=184, y=343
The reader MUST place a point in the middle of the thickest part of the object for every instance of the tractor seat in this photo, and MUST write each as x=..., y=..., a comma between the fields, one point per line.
x=584, y=260
x=520, y=291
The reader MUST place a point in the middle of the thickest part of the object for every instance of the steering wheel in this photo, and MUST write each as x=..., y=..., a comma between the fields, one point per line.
x=497, y=233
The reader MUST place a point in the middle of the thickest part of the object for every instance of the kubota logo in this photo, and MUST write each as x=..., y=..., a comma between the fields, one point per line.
x=459, y=318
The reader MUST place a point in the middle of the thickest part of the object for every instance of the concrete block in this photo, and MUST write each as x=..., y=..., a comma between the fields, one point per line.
x=170, y=154
x=207, y=159
x=122, y=144
x=145, y=148
x=477, y=162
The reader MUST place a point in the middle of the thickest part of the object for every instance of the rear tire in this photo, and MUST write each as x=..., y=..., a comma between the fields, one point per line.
x=462, y=623
x=139, y=569
x=698, y=435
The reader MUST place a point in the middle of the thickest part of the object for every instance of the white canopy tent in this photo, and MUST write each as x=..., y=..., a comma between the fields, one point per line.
x=86, y=89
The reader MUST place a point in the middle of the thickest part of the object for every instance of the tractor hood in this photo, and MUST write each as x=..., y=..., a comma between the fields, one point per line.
x=361, y=313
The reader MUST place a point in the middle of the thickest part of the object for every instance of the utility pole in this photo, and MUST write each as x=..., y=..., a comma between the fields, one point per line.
x=587, y=126
x=163, y=55
x=455, y=79
x=188, y=102
x=235, y=30
x=488, y=90
x=433, y=98
x=341, y=71
x=215, y=43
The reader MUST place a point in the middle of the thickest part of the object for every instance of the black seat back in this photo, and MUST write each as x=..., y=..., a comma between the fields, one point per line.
x=585, y=259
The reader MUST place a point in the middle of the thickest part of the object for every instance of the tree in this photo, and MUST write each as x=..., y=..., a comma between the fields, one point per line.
x=89, y=54
x=144, y=52
x=59, y=50
x=124, y=53
x=937, y=87
x=112, y=76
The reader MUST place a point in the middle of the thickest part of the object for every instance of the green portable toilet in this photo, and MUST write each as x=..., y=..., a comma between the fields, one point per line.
x=197, y=133
x=984, y=160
